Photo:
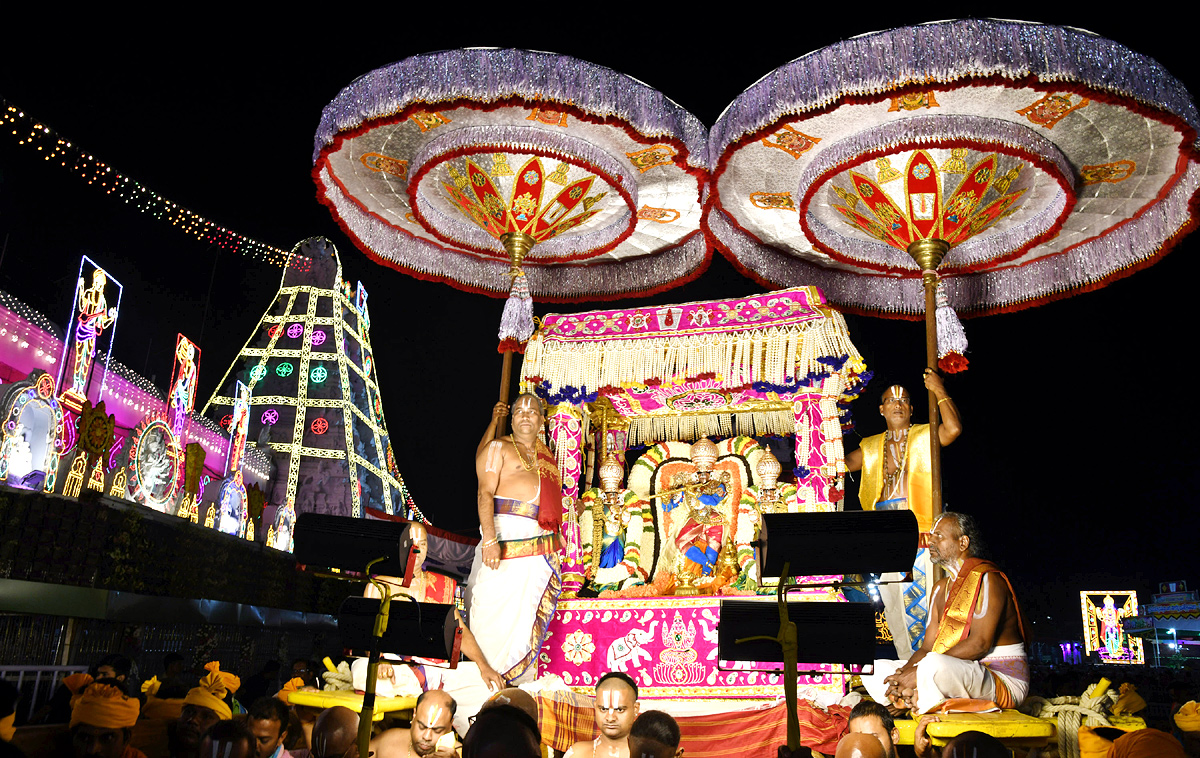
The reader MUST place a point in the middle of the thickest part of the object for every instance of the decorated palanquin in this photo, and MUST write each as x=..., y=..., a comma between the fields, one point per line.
x=661, y=547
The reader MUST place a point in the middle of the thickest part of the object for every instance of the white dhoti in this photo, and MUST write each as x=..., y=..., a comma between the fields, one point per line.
x=464, y=684
x=1002, y=677
x=509, y=606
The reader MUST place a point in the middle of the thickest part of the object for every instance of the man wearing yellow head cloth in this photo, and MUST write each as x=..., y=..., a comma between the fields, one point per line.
x=102, y=719
x=896, y=475
x=1187, y=721
x=204, y=706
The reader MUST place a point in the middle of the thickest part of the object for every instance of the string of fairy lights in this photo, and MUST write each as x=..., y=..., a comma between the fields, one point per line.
x=55, y=149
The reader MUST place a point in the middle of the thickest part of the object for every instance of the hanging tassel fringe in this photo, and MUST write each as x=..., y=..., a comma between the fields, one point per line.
x=777, y=355
x=516, y=323
x=952, y=340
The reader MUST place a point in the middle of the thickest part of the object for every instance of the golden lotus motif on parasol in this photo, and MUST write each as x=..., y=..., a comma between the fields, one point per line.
x=924, y=212
x=528, y=206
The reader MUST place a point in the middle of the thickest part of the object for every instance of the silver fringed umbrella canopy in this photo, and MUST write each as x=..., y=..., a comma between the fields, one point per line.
x=429, y=162
x=1015, y=162
x=1050, y=159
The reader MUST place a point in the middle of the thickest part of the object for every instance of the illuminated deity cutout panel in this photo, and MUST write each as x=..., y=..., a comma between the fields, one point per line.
x=155, y=464
x=183, y=384
x=1103, y=614
x=89, y=333
x=31, y=436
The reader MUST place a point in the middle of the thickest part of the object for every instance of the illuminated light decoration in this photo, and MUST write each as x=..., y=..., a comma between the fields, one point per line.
x=119, y=483
x=360, y=305
x=280, y=535
x=74, y=481
x=92, y=319
x=273, y=330
x=232, y=514
x=1103, y=616
x=226, y=420
x=114, y=451
x=258, y=372
x=319, y=426
x=155, y=467
x=295, y=330
x=238, y=426
x=54, y=148
x=270, y=416
x=284, y=369
x=30, y=440
x=182, y=397
x=314, y=295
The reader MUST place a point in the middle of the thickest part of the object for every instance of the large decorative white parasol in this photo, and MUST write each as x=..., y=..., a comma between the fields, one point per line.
x=1051, y=161
x=429, y=162
x=513, y=171
x=1031, y=162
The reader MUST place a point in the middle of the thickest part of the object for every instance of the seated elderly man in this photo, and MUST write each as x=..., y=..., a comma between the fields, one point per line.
x=102, y=719
x=974, y=645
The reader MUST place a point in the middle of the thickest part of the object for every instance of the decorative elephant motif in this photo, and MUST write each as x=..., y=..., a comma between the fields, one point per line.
x=628, y=649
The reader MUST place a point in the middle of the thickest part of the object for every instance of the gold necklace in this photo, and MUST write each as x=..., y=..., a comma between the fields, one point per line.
x=527, y=466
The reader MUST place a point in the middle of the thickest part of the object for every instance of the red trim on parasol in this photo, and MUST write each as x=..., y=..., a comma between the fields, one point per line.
x=445, y=279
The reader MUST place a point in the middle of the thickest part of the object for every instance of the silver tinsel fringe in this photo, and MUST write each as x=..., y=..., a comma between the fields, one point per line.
x=946, y=52
x=489, y=75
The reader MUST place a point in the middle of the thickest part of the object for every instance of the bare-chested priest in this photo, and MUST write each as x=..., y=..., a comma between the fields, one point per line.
x=515, y=579
x=896, y=475
x=975, y=647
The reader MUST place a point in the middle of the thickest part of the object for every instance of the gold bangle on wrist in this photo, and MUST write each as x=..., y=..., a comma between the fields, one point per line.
x=942, y=400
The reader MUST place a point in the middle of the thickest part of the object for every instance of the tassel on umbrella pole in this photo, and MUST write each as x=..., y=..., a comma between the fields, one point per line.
x=516, y=323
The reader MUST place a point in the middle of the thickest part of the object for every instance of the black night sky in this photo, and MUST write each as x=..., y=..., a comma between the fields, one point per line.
x=1067, y=456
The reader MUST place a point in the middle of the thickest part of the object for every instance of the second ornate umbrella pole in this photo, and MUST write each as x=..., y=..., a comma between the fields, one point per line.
x=928, y=254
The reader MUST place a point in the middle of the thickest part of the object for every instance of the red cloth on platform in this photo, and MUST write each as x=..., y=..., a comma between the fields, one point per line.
x=741, y=733
x=567, y=718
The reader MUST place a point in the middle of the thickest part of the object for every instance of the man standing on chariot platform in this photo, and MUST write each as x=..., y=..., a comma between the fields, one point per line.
x=897, y=476
x=515, y=578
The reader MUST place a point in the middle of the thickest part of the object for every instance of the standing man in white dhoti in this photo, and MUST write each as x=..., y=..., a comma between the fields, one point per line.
x=515, y=579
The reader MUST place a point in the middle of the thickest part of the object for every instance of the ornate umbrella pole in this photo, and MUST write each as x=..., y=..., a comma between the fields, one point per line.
x=516, y=323
x=928, y=254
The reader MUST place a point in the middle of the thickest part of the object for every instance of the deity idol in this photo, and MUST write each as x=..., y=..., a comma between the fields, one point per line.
x=612, y=525
x=703, y=496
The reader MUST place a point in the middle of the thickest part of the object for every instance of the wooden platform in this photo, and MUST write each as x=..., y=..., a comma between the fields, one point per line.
x=1013, y=728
